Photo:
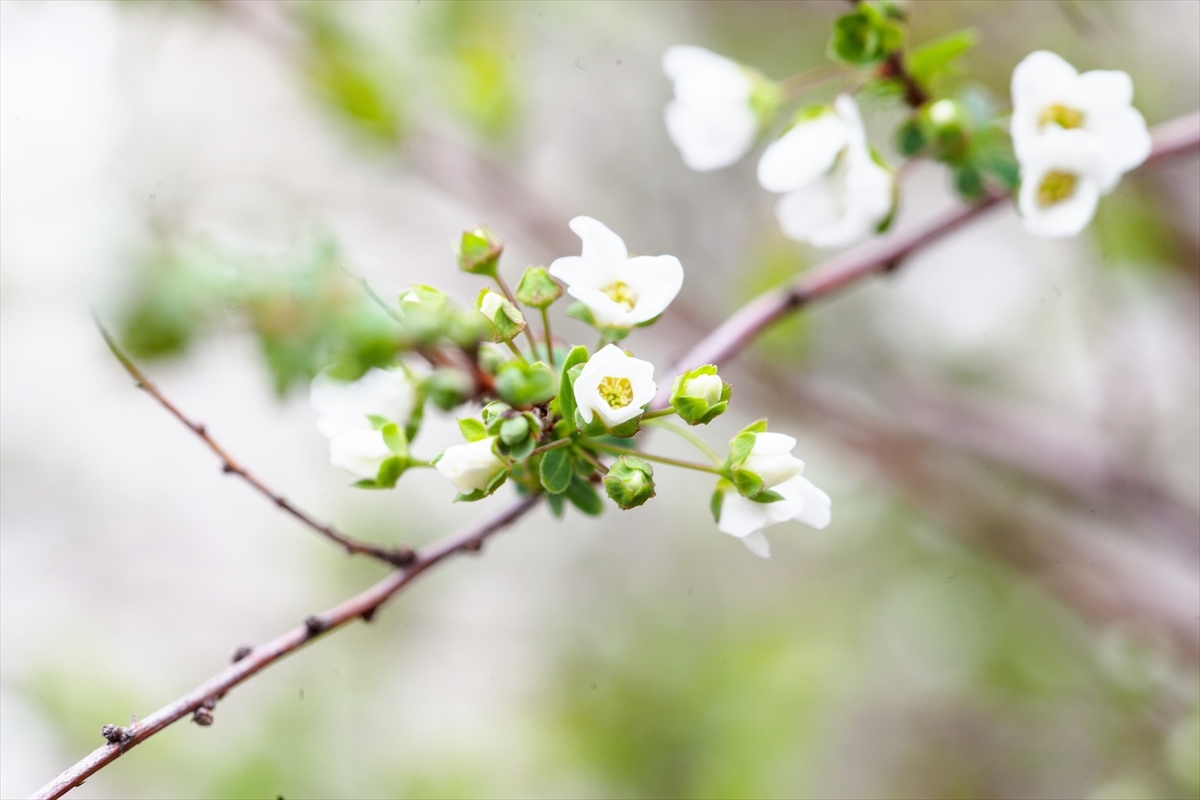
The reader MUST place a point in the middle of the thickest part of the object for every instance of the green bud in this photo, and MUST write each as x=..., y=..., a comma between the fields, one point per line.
x=629, y=482
x=424, y=296
x=479, y=252
x=766, y=97
x=468, y=328
x=507, y=321
x=448, y=387
x=700, y=395
x=524, y=385
x=866, y=35
x=949, y=127
x=537, y=289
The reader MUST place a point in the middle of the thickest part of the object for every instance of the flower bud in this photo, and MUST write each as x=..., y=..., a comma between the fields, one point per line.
x=506, y=320
x=537, y=289
x=700, y=395
x=473, y=468
x=479, y=252
x=629, y=482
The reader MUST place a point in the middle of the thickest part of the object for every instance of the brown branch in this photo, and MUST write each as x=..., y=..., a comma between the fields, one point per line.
x=1175, y=137
x=397, y=557
x=249, y=662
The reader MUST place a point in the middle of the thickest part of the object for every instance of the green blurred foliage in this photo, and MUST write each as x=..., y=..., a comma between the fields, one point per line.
x=305, y=311
x=475, y=45
x=346, y=73
x=1132, y=231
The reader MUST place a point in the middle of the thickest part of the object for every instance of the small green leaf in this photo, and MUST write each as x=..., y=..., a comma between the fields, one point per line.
x=714, y=504
x=566, y=391
x=390, y=472
x=582, y=313
x=767, y=496
x=929, y=60
x=911, y=137
x=557, y=470
x=747, y=483
x=472, y=429
x=740, y=447
x=394, y=438
x=557, y=504
x=585, y=497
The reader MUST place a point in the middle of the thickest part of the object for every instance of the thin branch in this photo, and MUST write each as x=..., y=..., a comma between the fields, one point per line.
x=205, y=696
x=1179, y=136
x=397, y=557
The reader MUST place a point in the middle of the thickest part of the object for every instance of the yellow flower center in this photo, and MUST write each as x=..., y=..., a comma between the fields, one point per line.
x=621, y=294
x=1055, y=187
x=617, y=392
x=1062, y=116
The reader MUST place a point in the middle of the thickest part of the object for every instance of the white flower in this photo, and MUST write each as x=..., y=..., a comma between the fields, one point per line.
x=1050, y=96
x=620, y=291
x=1062, y=179
x=615, y=386
x=470, y=467
x=344, y=407
x=710, y=120
x=359, y=452
x=771, y=459
x=836, y=193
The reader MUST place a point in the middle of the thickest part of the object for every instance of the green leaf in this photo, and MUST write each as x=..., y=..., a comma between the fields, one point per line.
x=968, y=182
x=557, y=504
x=767, y=496
x=747, y=483
x=740, y=447
x=929, y=60
x=390, y=472
x=585, y=497
x=557, y=470
x=717, y=500
x=394, y=438
x=582, y=313
x=566, y=392
x=472, y=429
x=911, y=137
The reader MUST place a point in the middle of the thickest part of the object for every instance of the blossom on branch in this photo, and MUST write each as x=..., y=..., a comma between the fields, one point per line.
x=1050, y=96
x=619, y=291
x=345, y=410
x=712, y=119
x=1074, y=136
x=614, y=386
x=834, y=190
x=771, y=460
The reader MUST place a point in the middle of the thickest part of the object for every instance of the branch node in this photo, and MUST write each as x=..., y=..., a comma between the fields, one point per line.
x=240, y=652
x=200, y=429
x=314, y=625
x=227, y=468
x=369, y=614
x=203, y=717
x=402, y=556
x=473, y=546
x=115, y=734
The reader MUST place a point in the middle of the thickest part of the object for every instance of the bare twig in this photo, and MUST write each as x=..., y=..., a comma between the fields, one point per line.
x=362, y=606
x=1178, y=136
x=397, y=557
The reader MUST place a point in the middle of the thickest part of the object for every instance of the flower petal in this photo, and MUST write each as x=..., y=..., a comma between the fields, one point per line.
x=802, y=154
x=600, y=245
x=817, y=509
x=656, y=280
x=1040, y=74
x=757, y=543
x=741, y=517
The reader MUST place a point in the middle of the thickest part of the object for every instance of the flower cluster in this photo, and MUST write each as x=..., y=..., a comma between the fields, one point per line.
x=553, y=419
x=1070, y=139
